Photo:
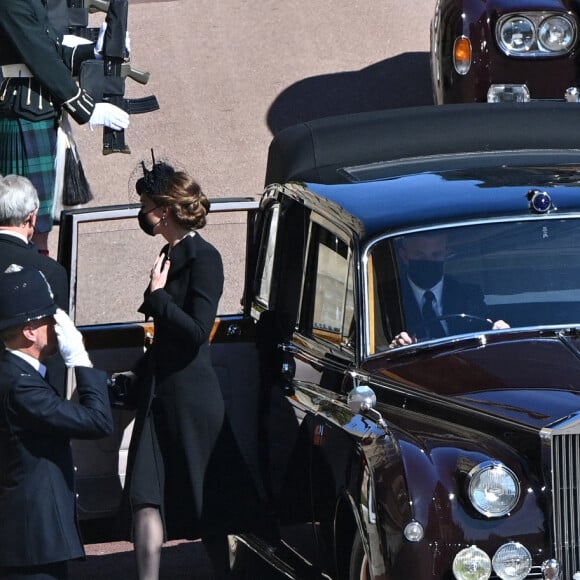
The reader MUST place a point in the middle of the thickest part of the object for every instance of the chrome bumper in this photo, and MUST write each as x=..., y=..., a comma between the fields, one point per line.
x=512, y=93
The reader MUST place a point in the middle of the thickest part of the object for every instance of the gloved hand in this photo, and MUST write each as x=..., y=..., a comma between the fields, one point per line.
x=101, y=40
x=127, y=45
x=70, y=341
x=110, y=116
x=73, y=40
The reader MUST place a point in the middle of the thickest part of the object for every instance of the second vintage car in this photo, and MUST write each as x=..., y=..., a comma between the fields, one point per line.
x=505, y=50
x=404, y=372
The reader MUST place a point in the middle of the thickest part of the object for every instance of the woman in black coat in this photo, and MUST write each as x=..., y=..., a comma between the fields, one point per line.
x=180, y=423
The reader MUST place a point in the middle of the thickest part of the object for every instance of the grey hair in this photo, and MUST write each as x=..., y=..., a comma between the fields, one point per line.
x=18, y=199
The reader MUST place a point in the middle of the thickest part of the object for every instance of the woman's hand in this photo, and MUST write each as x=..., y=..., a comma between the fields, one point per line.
x=159, y=273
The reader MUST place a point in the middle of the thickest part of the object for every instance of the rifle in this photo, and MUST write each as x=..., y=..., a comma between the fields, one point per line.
x=78, y=17
x=105, y=80
x=91, y=6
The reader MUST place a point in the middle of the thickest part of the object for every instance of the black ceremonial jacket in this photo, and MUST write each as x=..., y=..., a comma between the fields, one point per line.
x=38, y=522
x=27, y=37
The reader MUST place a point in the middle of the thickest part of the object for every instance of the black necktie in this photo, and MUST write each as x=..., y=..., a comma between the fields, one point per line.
x=433, y=326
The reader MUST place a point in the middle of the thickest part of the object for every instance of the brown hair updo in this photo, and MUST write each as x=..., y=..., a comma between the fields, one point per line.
x=177, y=191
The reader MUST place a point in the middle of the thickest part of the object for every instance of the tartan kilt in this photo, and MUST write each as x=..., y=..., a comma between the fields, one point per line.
x=28, y=148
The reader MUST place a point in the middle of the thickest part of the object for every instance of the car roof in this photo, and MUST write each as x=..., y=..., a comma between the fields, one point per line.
x=427, y=165
x=319, y=150
x=428, y=199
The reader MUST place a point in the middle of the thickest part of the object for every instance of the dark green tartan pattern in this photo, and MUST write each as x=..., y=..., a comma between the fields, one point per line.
x=29, y=148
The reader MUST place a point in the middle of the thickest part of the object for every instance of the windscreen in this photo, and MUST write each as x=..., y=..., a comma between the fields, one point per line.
x=471, y=278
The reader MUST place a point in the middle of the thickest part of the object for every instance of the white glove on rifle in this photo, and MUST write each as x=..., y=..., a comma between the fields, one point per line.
x=70, y=341
x=110, y=116
x=73, y=40
x=101, y=40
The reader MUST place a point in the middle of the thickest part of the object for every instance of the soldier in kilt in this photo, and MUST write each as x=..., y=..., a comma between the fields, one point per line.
x=29, y=148
x=38, y=85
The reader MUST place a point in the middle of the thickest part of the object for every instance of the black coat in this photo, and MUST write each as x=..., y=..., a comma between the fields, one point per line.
x=38, y=523
x=456, y=298
x=181, y=409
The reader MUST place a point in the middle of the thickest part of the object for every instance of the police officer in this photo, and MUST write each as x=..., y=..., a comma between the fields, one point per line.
x=38, y=527
x=38, y=84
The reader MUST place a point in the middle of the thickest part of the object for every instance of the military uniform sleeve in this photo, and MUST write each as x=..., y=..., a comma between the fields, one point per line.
x=51, y=64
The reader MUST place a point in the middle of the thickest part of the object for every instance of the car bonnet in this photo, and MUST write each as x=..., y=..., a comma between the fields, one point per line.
x=526, y=378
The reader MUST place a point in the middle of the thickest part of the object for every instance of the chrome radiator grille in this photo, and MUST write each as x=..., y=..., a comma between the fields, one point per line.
x=565, y=462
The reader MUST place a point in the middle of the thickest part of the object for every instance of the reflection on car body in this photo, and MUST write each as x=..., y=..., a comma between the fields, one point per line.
x=504, y=50
x=452, y=457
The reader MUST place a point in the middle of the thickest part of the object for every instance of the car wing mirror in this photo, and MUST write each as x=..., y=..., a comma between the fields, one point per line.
x=362, y=400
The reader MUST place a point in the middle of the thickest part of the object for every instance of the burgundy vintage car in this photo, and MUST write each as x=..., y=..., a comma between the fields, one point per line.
x=403, y=374
x=505, y=50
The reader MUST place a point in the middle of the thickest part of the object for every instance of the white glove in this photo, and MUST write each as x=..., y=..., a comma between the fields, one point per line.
x=101, y=40
x=110, y=116
x=73, y=40
x=70, y=341
x=127, y=45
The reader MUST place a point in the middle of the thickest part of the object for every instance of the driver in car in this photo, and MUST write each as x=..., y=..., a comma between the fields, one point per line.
x=436, y=304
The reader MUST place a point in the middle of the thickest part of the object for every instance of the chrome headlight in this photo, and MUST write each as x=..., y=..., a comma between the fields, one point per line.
x=556, y=34
x=531, y=34
x=472, y=564
x=517, y=34
x=512, y=561
x=494, y=490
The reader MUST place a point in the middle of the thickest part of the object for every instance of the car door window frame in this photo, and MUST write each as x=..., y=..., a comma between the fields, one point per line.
x=343, y=341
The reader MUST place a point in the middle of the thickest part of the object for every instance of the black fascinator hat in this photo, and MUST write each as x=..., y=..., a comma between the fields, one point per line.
x=154, y=181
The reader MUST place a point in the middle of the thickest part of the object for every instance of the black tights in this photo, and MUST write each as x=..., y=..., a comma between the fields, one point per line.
x=148, y=540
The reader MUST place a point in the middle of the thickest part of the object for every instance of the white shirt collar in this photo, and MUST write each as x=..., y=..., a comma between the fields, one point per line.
x=437, y=292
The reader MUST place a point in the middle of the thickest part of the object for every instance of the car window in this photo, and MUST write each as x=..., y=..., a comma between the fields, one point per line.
x=332, y=287
x=524, y=272
x=265, y=264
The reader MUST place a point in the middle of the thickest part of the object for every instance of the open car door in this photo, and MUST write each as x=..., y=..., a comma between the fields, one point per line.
x=108, y=260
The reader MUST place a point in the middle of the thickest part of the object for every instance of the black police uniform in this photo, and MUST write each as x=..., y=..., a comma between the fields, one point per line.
x=38, y=522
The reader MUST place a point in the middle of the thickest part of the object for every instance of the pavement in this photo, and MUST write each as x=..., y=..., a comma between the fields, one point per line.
x=180, y=560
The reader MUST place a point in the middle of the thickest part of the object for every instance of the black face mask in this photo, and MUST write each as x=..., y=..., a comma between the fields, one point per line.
x=425, y=273
x=145, y=225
